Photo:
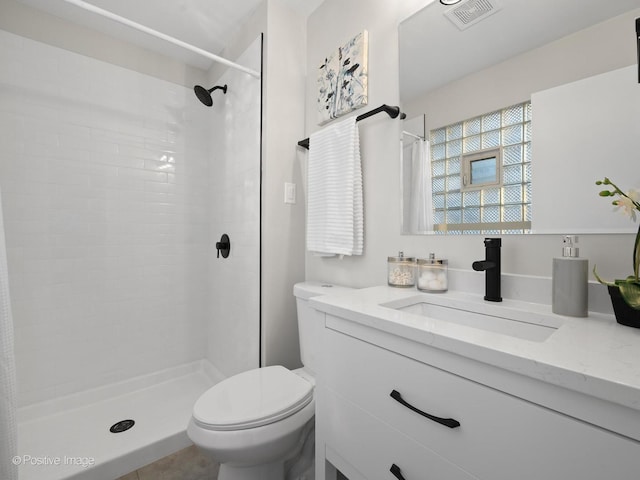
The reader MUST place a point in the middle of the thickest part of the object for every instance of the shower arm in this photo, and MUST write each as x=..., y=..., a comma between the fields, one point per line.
x=149, y=31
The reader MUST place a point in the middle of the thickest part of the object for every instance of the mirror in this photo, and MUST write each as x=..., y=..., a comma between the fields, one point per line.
x=575, y=60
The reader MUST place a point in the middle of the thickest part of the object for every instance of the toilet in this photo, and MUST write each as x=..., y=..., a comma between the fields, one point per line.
x=255, y=421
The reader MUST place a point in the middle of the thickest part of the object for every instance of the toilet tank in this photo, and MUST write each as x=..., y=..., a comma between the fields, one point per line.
x=310, y=321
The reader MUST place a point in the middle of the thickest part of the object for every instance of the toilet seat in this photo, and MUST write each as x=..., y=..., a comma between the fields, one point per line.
x=252, y=399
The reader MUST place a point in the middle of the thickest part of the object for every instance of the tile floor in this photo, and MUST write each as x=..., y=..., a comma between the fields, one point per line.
x=187, y=464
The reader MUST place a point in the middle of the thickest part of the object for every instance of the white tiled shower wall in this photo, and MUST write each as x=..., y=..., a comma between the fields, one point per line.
x=104, y=176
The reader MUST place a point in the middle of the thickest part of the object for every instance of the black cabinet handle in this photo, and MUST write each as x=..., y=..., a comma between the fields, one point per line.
x=448, y=422
x=395, y=469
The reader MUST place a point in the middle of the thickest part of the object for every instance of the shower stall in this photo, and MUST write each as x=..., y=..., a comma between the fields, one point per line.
x=116, y=186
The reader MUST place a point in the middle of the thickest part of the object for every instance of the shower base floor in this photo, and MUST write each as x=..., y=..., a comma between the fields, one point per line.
x=69, y=438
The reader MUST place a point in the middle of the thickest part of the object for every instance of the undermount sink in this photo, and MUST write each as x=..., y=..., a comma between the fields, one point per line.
x=498, y=318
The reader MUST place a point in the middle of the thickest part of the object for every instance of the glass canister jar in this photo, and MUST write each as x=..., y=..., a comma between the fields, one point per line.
x=401, y=271
x=432, y=274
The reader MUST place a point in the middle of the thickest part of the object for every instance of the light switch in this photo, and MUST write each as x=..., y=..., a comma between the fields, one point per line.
x=289, y=193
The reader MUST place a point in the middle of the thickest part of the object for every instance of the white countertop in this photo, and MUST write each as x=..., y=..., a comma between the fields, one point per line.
x=593, y=355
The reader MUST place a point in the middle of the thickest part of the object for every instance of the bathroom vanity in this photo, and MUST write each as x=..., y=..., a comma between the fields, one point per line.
x=420, y=386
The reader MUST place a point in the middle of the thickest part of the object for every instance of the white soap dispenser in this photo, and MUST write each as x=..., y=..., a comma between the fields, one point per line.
x=569, y=281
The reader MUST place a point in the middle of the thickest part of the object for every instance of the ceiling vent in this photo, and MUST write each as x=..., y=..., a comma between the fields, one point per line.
x=470, y=12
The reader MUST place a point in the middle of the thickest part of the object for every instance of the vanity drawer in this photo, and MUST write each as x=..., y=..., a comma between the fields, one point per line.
x=499, y=437
x=373, y=448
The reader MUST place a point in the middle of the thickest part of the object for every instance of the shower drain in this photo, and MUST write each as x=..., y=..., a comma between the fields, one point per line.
x=121, y=426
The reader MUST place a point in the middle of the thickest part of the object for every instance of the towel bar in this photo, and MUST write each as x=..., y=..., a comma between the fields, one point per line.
x=393, y=112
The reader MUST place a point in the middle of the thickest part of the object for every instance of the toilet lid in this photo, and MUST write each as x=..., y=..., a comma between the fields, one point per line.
x=252, y=399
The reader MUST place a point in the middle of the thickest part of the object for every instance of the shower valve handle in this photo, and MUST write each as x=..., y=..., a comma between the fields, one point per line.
x=223, y=246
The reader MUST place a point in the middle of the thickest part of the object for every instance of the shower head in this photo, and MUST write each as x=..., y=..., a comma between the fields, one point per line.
x=204, y=95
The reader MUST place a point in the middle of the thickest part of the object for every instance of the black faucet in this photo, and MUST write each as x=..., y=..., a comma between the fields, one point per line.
x=491, y=267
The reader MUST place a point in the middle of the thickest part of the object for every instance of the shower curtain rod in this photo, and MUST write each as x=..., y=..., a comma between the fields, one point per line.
x=393, y=112
x=409, y=134
x=155, y=33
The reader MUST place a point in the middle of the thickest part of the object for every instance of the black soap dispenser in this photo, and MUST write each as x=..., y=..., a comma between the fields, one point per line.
x=569, y=281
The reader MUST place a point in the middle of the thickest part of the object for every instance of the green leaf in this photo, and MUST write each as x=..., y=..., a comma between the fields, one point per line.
x=631, y=293
x=595, y=274
x=636, y=256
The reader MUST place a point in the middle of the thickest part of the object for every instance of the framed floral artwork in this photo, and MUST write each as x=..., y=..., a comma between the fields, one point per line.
x=342, y=79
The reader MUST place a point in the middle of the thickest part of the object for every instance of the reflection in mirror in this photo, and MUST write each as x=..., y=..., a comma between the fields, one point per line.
x=575, y=62
x=480, y=172
x=417, y=208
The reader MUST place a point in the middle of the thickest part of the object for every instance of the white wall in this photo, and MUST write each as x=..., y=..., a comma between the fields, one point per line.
x=282, y=224
x=233, y=330
x=104, y=174
x=333, y=23
x=329, y=26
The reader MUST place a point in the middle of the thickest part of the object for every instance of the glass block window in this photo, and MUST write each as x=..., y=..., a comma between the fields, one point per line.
x=494, y=209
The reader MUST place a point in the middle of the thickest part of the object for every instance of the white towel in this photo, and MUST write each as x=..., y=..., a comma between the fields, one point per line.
x=335, y=207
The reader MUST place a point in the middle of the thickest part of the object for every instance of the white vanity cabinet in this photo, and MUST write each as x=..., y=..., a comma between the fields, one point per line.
x=375, y=448
x=378, y=409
